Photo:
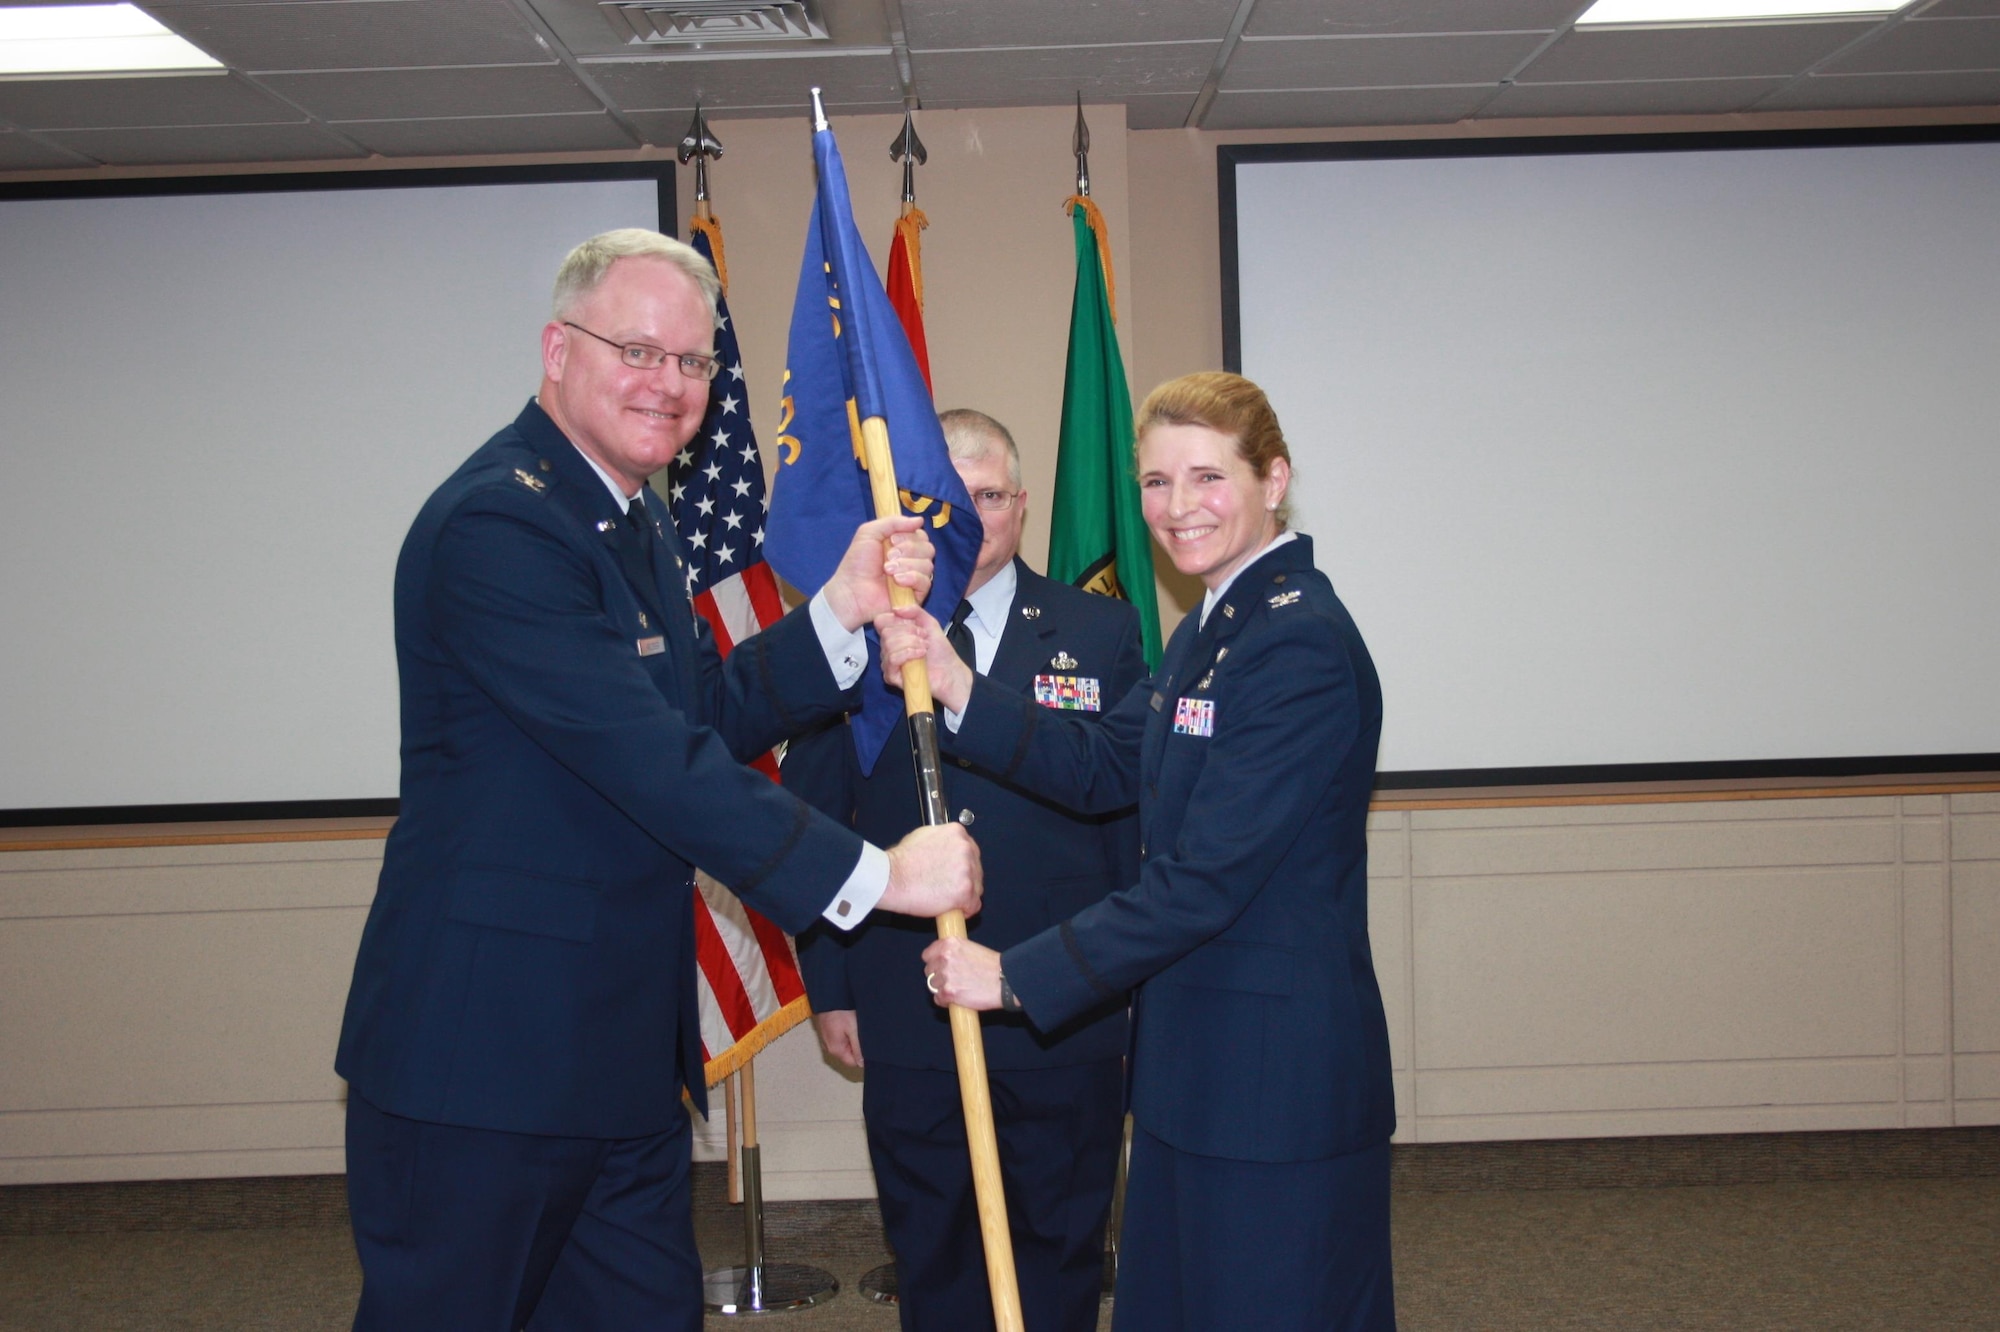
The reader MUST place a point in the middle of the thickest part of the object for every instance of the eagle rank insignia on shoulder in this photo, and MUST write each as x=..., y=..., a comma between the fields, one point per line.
x=1069, y=693
x=530, y=480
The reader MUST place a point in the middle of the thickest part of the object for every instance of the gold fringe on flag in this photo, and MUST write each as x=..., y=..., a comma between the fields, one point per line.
x=1095, y=218
x=711, y=226
x=909, y=226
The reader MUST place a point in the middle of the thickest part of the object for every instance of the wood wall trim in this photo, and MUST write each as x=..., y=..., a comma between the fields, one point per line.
x=118, y=837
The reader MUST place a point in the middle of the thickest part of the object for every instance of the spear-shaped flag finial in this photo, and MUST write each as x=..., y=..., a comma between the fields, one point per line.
x=698, y=145
x=1080, y=145
x=819, y=113
x=908, y=149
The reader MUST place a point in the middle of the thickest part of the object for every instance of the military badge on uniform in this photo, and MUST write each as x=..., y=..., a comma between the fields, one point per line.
x=530, y=480
x=1062, y=661
x=1031, y=612
x=1194, y=716
x=1069, y=693
x=1284, y=599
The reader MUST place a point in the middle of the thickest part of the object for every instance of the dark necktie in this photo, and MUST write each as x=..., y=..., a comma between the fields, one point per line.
x=635, y=514
x=959, y=635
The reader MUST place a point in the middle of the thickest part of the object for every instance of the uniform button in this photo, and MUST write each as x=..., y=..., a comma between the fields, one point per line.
x=964, y=763
x=1142, y=850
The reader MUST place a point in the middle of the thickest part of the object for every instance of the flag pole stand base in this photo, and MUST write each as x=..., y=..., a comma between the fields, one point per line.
x=772, y=1288
x=879, y=1283
x=759, y=1287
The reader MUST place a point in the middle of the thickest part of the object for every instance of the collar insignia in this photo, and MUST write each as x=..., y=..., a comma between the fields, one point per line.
x=1031, y=612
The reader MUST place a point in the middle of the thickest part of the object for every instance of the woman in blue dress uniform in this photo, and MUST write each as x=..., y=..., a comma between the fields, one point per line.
x=1260, y=1092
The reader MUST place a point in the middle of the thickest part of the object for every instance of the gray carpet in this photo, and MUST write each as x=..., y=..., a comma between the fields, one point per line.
x=1816, y=1232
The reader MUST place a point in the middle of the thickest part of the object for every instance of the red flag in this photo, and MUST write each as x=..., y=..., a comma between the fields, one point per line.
x=748, y=979
x=906, y=285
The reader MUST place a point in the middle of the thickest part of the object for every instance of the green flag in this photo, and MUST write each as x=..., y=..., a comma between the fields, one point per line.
x=1097, y=535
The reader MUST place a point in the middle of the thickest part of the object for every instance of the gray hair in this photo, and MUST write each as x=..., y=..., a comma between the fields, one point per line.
x=587, y=264
x=971, y=437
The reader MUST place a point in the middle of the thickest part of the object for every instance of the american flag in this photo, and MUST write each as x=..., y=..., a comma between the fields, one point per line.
x=749, y=981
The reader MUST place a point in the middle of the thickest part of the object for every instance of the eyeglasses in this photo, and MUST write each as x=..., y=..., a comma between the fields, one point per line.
x=994, y=501
x=644, y=356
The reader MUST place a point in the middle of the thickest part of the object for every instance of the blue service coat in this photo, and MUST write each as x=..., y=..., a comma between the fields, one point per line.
x=1259, y=1032
x=1042, y=862
x=572, y=746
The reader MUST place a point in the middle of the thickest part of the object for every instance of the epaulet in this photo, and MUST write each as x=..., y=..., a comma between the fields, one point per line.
x=1281, y=596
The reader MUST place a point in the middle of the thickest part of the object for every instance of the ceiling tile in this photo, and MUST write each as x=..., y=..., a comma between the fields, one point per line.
x=1158, y=110
x=1662, y=97
x=1838, y=91
x=1737, y=51
x=732, y=86
x=664, y=128
x=488, y=134
x=337, y=34
x=410, y=94
x=1377, y=62
x=1289, y=18
x=1340, y=107
x=1934, y=46
x=1044, y=76
x=959, y=24
x=18, y=152
x=215, y=143
x=207, y=99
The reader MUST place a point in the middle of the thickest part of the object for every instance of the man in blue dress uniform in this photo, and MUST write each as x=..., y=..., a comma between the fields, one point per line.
x=1057, y=1096
x=521, y=1026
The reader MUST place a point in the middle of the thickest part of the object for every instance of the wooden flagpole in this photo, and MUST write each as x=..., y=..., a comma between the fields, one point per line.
x=968, y=1042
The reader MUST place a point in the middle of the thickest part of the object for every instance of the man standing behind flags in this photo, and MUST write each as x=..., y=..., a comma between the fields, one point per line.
x=1057, y=1099
x=521, y=1024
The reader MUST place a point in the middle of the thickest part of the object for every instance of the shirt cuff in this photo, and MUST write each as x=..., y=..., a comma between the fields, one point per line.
x=846, y=654
x=863, y=889
x=952, y=719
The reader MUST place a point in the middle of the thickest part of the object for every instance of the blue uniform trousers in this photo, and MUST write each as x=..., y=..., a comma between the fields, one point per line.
x=470, y=1230
x=1059, y=1130
x=1282, y=1246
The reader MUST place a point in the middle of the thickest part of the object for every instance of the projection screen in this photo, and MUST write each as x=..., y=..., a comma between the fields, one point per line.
x=223, y=409
x=1645, y=458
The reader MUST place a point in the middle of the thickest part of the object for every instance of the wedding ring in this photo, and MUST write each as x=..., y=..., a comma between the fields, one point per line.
x=930, y=982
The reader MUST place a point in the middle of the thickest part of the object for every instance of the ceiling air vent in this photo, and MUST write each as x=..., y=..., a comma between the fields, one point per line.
x=688, y=22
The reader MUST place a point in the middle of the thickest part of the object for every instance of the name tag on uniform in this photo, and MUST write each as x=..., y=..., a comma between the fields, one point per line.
x=654, y=646
x=1194, y=716
x=1071, y=693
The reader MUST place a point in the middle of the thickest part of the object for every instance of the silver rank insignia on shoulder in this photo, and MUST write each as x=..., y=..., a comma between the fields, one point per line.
x=1062, y=661
x=1284, y=599
x=604, y=524
x=654, y=646
x=530, y=480
x=1031, y=612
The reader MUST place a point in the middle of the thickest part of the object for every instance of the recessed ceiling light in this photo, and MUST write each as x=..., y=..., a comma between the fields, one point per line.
x=50, y=41
x=1621, y=13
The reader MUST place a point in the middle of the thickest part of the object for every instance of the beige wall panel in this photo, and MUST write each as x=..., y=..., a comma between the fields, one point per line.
x=1388, y=846
x=808, y=1121
x=1926, y=1080
x=193, y=884
x=1653, y=968
x=1388, y=938
x=1974, y=836
x=1926, y=960
x=221, y=1007
x=1923, y=804
x=1736, y=1084
x=32, y=1139
x=1975, y=965
x=1693, y=845
x=1976, y=802
x=1700, y=811
x=1647, y=1123
x=176, y=1165
x=1933, y=1115
x=1976, y=1077
x=1923, y=839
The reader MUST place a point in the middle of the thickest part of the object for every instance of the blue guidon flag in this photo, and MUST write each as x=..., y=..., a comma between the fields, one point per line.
x=848, y=360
